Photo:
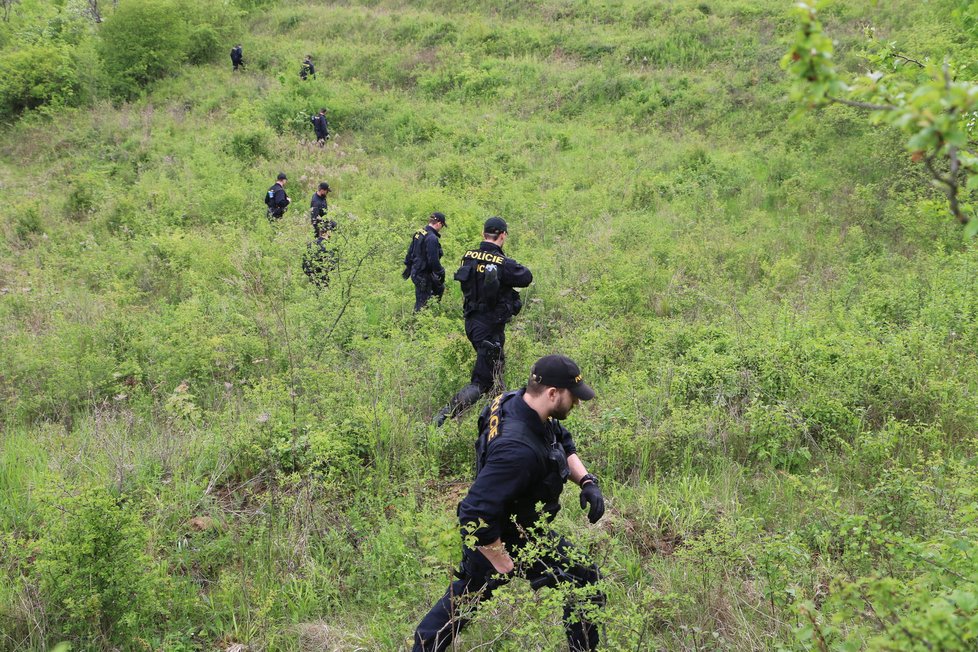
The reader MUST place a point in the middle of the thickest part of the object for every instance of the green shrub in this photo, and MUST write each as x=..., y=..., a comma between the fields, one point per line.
x=99, y=585
x=82, y=197
x=204, y=44
x=142, y=41
x=249, y=143
x=27, y=222
x=36, y=75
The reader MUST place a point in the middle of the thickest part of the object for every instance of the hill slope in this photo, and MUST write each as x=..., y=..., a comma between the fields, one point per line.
x=199, y=449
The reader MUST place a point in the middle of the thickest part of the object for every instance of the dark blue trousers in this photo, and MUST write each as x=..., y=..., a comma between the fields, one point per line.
x=478, y=579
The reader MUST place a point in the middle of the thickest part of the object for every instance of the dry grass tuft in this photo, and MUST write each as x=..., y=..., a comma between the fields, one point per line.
x=321, y=637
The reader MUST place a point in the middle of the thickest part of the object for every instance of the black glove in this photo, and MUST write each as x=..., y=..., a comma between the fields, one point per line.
x=591, y=495
x=406, y=274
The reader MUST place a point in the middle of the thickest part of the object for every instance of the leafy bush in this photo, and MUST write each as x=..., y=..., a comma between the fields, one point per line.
x=204, y=44
x=35, y=75
x=249, y=143
x=142, y=41
x=97, y=581
x=27, y=222
x=83, y=195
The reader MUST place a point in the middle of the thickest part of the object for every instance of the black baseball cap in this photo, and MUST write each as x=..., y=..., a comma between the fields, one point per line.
x=325, y=186
x=495, y=224
x=560, y=371
x=281, y=176
x=438, y=216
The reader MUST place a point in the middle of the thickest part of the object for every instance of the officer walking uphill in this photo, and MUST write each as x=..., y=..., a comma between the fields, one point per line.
x=276, y=200
x=237, y=58
x=422, y=263
x=321, y=127
x=308, y=69
x=488, y=279
x=524, y=456
x=317, y=211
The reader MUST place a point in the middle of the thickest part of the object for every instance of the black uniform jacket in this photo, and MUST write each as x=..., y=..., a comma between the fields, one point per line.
x=512, y=275
x=518, y=474
x=317, y=207
x=320, y=125
x=279, y=200
x=427, y=254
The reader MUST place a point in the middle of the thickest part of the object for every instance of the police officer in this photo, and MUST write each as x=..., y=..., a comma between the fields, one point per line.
x=422, y=263
x=523, y=458
x=236, y=57
x=321, y=127
x=488, y=278
x=317, y=211
x=307, y=69
x=276, y=200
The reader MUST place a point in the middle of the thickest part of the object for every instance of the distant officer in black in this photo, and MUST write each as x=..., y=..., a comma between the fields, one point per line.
x=422, y=263
x=523, y=458
x=317, y=211
x=307, y=70
x=276, y=200
x=321, y=126
x=488, y=278
x=236, y=56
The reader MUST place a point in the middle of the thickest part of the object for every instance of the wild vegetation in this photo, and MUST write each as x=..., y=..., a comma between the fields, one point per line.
x=200, y=449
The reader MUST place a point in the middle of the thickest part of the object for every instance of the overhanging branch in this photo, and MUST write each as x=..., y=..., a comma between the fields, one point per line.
x=861, y=105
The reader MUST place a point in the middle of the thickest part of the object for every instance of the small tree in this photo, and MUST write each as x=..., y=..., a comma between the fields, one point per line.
x=140, y=42
x=35, y=75
x=94, y=11
x=921, y=98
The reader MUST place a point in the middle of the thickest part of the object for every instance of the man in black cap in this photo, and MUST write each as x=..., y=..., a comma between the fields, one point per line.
x=276, y=200
x=422, y=262
x=523, y=458
x=236, y=57
x=321, y=127
x=317, y=211
x=488, y=278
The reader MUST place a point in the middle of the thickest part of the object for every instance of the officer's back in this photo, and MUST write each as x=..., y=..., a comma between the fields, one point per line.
x=489, y=278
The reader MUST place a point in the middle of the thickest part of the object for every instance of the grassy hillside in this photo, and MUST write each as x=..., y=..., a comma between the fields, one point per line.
x=199, y=449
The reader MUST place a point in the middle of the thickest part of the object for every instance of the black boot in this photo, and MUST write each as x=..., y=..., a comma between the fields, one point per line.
x=465, y=398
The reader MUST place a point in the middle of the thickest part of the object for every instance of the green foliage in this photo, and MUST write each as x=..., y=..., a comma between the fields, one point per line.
x=249, y=143
x=925, y=100
x=94, y=574
x=140, y=42
x=930, y=605
x=204, y=44
x=145, y=40
x=83, y=195
x=778, y=318
x=36, y=75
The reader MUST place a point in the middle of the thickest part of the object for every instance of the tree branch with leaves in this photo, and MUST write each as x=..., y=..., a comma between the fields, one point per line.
x=923, y=99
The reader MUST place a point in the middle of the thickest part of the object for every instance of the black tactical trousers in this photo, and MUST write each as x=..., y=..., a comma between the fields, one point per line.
x=559, y=565
x=488, y=339
x=425, y=287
